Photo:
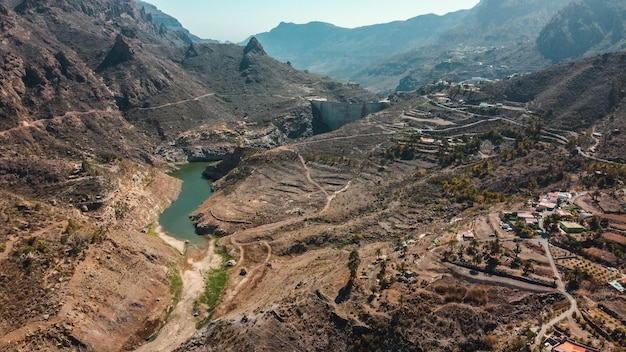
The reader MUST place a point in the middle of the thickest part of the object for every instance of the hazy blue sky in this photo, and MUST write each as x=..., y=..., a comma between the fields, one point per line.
x=235, y=20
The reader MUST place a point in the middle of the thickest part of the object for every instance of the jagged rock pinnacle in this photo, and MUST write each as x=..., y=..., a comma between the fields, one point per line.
x=254, y=47
x=120, y=52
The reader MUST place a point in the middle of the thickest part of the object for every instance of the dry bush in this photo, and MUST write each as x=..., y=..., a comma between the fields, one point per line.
x=562, y=304
x=490, y=341
x=476, y=295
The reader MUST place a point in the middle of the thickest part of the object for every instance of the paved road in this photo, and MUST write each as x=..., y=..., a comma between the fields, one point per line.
x=494, y=279
x=561, y=287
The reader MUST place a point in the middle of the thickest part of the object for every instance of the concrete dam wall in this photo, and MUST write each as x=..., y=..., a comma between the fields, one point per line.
x=329, y=116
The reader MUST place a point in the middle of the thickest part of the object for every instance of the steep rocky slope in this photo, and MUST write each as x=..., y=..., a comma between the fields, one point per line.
x=170, y=23
x=577, y=94
x=584, y=27
x=587, y=94
x=90, y=90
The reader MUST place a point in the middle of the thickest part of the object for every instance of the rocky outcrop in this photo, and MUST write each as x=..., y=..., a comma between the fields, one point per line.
x=219, y=169
x=254, y=46
x=153, y=14
x=251, y=52
x=119, y=53
x=215, y=143
x=107, y=9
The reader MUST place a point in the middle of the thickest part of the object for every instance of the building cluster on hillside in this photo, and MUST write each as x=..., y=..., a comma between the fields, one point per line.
x=552, y=200
x=553, y=203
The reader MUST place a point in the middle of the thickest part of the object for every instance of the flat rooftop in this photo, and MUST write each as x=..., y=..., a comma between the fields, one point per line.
x=572, y=225
x=571, y=347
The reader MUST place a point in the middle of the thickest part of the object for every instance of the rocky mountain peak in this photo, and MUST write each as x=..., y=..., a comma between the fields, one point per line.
x=251, y=53
x=254, y=46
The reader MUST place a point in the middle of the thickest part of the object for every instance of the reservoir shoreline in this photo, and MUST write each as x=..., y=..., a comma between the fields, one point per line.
x=174, y=224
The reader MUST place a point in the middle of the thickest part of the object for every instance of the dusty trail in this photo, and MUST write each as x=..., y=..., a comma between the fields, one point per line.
x=308, y=175
x=326, y=140
x=21, y=333
x=329, y=197
x=41, y=122
x=9, y=247
x=252, y=273
x=177, y=102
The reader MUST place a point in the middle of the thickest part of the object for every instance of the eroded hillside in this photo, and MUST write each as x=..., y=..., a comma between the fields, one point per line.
x=391, y=230
x=95, y=98
x=432, y=225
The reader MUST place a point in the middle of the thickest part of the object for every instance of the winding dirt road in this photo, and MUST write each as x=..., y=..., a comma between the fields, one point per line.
x=178, y=102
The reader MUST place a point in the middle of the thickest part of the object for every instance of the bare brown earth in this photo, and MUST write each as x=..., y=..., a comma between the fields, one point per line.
x=94, y=86
x=614, y=237
x=111, y=291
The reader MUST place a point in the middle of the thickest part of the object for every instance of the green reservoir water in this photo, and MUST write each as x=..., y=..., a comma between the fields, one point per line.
x=196, y=189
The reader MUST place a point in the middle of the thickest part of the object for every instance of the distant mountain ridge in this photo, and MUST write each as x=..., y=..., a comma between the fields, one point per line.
x=379, y=56
x=496, y=40
x=336, y=51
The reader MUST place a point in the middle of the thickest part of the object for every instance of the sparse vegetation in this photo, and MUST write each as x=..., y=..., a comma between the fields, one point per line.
x=215, y=282
x=176, y=290
x=107, y=157
x=455, y=293
x=78, y=186
x=176, y=286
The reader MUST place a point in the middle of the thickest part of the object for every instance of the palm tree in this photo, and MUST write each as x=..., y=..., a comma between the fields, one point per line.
x=595, y=195
x=527, y=266
x=353, y=263
x=477, y=259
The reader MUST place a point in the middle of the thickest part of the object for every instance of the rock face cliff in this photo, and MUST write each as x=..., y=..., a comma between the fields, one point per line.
x=110, y=56
x=170, y=23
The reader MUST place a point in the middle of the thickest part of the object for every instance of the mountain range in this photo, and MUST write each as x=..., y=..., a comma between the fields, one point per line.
x=492, y=40
x=348, y=240
x=96, y=97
